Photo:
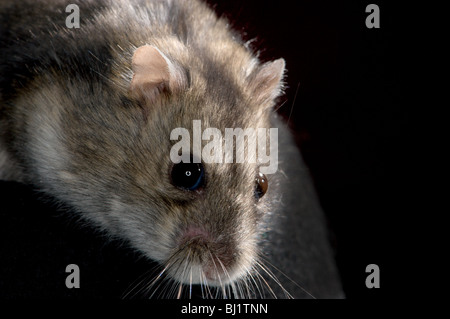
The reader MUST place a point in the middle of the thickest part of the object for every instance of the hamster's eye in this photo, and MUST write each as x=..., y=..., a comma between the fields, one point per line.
x=188, y=175
x=261, y=185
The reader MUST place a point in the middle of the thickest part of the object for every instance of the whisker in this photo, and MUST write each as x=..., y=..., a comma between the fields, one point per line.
x=190, y=283
x=201, y=285
x=274, y=278
x=167, y=289
x=293, y=103
x=177, y=271
x=138, y=285
x=231, y=284
x=261, y=277
x=186, y=264
x=252, y=279
x=256, y=283
x=281, y=105
x=174, y=258
x=204, y=286
x=155, y=280
x=218, y=276
x=179, y=291
x=242, y=285
x=208, y=288
x=287, y=277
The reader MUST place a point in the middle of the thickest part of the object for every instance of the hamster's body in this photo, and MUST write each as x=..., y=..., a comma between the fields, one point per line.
x=86, y=116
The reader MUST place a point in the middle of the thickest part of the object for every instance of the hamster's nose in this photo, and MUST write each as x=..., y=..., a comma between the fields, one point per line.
x=195, y=234
x=214, y=253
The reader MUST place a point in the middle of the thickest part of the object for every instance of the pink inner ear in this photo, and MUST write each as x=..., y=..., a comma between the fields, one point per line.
x=150, y=70
x=267, y=83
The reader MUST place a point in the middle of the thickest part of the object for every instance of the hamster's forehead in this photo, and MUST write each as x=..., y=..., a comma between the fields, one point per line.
x=235, y=112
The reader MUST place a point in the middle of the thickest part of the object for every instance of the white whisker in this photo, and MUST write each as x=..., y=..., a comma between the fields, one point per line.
x=261, y=277
x=286, y=276
x=179, y=291
x=274, y=278
x=190, y=283
x=252, y=279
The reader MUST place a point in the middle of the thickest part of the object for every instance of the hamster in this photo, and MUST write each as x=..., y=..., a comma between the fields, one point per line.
x=87, y=115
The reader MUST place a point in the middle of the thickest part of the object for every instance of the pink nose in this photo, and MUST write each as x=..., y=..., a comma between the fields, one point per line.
x=195, y=233
x=215, y=256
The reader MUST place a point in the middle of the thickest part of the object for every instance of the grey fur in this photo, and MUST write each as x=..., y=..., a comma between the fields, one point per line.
x=70, y=127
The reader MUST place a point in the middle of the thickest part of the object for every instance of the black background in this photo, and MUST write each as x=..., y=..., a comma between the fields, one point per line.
x=344, y=104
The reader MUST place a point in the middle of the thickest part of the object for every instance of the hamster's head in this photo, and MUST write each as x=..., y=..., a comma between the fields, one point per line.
x=167, y=178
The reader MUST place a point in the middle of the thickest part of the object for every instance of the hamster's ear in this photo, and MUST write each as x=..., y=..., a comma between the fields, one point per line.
x=266, y=82
x=154, y=73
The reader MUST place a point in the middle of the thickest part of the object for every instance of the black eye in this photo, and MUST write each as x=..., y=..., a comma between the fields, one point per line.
x=261, y=185
x=189, y=176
